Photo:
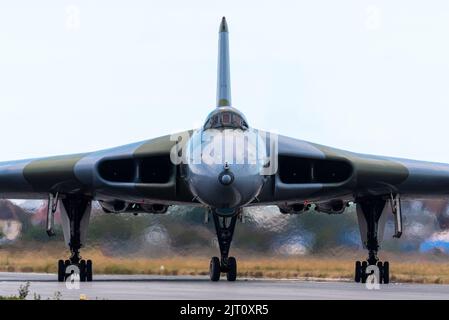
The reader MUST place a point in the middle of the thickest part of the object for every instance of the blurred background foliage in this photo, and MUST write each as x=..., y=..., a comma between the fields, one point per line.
x=264, y=231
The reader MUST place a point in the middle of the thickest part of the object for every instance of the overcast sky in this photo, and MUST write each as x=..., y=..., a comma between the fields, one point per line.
x=367, y=76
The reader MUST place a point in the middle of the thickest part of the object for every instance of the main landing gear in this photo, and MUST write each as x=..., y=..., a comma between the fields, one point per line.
x=75, y=213
x=371, y=216
x=66, y=268
x=362, y=271
x=224, y=227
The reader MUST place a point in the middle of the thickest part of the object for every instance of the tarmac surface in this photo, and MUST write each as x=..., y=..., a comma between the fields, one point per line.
x=142, y=287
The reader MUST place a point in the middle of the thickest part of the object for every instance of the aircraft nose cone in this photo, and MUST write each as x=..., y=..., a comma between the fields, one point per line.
x=226, y=178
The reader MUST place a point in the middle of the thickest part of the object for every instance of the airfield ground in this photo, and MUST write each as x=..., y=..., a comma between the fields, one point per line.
x=110, y=287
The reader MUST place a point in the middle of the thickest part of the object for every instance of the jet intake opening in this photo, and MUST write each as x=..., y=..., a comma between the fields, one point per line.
x=152, y=169
x=156, y=169
x=120, y=170
x=304, y=170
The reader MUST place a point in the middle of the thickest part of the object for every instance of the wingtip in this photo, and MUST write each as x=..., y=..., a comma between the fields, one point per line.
x=223, y=25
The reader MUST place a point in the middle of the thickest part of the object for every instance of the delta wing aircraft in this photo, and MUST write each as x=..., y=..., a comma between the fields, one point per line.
x=223, y=166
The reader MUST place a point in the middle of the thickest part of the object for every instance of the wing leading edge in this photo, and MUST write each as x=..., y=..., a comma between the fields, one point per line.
x=309, y=171
x=134, y=172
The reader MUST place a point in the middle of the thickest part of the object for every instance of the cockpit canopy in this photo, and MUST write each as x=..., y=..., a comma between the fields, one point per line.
x=226, y=117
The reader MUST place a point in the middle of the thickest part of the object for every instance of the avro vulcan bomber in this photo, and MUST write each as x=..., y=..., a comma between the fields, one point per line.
x=223, y=166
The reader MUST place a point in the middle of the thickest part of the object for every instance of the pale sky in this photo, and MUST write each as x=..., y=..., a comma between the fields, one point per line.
x=367, y=76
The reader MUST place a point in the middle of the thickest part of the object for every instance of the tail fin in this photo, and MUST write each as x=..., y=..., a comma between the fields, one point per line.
x=224, y=79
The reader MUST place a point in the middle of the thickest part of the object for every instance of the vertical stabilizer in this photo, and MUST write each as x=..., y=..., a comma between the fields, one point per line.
x=224, y=81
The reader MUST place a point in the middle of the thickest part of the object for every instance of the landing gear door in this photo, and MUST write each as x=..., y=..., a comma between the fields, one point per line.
x=363, y=226
x=395, y=203
x=84, y=222
x=65, y=222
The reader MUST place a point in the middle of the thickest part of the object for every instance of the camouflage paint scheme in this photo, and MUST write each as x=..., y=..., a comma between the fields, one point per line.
x=78, y=173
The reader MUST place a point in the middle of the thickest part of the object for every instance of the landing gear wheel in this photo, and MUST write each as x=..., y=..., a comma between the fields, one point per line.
x=61, y=271
x=89, y=271
x=364, y=266
x=82, y=267
x=85, y=270
x=358, y=271
x=231, y=275
x=380, y=266
x=214, y=269
x=386, y=272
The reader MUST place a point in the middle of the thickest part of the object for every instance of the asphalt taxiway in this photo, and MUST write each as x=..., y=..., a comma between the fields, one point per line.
x=193, y=287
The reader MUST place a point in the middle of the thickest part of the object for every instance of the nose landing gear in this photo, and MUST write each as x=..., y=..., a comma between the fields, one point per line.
x=224, y=227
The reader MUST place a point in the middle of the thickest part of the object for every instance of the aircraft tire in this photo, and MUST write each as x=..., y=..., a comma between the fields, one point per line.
x=61, y=271
x=214, y=269
x=231, y=275
x=89, y=271
x=380, y=266
x=386, y=272
x=363, y=273
x=82, y=267
x=358, y=272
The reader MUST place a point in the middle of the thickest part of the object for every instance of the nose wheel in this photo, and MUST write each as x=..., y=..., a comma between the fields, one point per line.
x=216, y=268
x=224, y=227
x=231, y=273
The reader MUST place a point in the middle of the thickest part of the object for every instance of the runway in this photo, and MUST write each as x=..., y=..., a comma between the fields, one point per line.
x=193, y=287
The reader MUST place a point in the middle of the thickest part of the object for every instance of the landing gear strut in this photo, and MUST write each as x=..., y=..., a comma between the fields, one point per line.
x=224, y=227
x=75, y=214
x=372, y=223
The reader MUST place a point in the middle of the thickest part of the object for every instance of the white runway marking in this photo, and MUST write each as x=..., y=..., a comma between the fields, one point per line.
x=190, y=287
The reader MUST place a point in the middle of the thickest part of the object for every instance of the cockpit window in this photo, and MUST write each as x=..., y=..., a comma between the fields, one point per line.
x=226, y=119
